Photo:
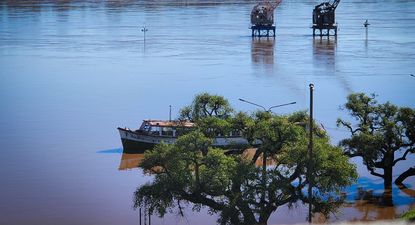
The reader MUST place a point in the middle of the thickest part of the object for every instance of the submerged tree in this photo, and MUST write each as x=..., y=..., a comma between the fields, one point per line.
x=384, y=134
x=192, y=171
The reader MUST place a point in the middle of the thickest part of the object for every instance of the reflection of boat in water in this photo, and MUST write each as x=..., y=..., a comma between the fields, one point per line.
x=152, y=132
x=130, y=161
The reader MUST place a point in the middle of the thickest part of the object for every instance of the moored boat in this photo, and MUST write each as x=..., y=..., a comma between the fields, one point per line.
x=152, y=132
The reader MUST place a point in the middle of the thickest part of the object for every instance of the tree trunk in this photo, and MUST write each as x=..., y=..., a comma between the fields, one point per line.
x=387, y=199
x=387, y=178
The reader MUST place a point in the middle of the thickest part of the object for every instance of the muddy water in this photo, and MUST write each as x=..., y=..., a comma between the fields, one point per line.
x=72, y=71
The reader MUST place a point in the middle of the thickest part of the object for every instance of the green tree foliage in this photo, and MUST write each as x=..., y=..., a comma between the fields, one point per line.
x=206, y=105
x=410, y=215
x=383, y=135
x=192, y=171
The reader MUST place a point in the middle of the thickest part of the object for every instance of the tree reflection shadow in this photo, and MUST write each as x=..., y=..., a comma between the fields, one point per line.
x=368, y=196
x=373, y=206
x=406, y=190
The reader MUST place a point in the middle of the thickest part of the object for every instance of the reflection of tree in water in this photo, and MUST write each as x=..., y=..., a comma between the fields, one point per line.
x=371, y=206
x=377, y=206
x=406, y=190
x=262, y=51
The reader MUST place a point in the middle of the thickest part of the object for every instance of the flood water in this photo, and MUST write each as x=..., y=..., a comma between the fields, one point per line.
x=73, y=71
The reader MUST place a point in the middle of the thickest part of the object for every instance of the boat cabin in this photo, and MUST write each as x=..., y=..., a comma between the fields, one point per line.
x=172, y=128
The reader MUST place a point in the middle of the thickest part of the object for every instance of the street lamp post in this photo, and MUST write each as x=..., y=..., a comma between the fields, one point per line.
x=264, y=156
x=310, y=157
x=269, y=109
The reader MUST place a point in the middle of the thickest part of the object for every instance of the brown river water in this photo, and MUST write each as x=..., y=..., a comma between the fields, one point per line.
x=73, y=71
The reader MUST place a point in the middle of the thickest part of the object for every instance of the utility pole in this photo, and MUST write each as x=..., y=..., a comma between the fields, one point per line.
x=310, y=158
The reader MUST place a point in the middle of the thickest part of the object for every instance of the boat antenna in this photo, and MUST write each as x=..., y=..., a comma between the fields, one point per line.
x=170, y=113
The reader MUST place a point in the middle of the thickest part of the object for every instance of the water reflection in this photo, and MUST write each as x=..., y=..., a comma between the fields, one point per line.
x=367, y=212
x=324, y=52
x=368, y=201
x=130, y=161
x=262, y=51
x=324, y=59
x=406, y=190
x=371, y=206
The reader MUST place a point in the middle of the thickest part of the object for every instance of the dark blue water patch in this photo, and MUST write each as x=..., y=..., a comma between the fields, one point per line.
x=111, y=151
x=376, y=185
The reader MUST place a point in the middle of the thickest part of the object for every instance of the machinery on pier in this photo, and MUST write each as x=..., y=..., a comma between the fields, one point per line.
x=263, y=13
x=324, y=17
x=262, y=18
x=324, y=13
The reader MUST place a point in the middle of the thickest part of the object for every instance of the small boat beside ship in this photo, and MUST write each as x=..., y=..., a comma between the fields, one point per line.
x=152, y=132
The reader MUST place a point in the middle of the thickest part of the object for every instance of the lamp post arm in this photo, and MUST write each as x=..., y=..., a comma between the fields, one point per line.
x=275, y=106
x=243, y=100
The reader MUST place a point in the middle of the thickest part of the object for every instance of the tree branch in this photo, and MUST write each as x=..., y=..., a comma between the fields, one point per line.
x=351, y=155
x=197, y=198
x=410, y=150
x=372, y=171
x=348, y=126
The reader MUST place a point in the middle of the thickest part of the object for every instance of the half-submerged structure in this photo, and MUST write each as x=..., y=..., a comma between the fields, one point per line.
x=262, y=19
x=324, y=18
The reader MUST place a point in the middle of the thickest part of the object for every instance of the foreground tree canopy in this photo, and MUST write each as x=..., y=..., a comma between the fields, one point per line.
x=192, y=171
x=206, y=105
x=383, y=135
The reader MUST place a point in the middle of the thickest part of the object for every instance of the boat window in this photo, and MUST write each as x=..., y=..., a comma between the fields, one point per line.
x=168, y=131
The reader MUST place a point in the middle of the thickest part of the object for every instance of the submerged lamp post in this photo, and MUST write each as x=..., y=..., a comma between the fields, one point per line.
x=366, y=25
x=310, y=157
x=269, y=109
x=144, y=30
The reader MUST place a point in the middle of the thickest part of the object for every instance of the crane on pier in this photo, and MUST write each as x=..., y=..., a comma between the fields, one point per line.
x=324, y=17
x=262, y=18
